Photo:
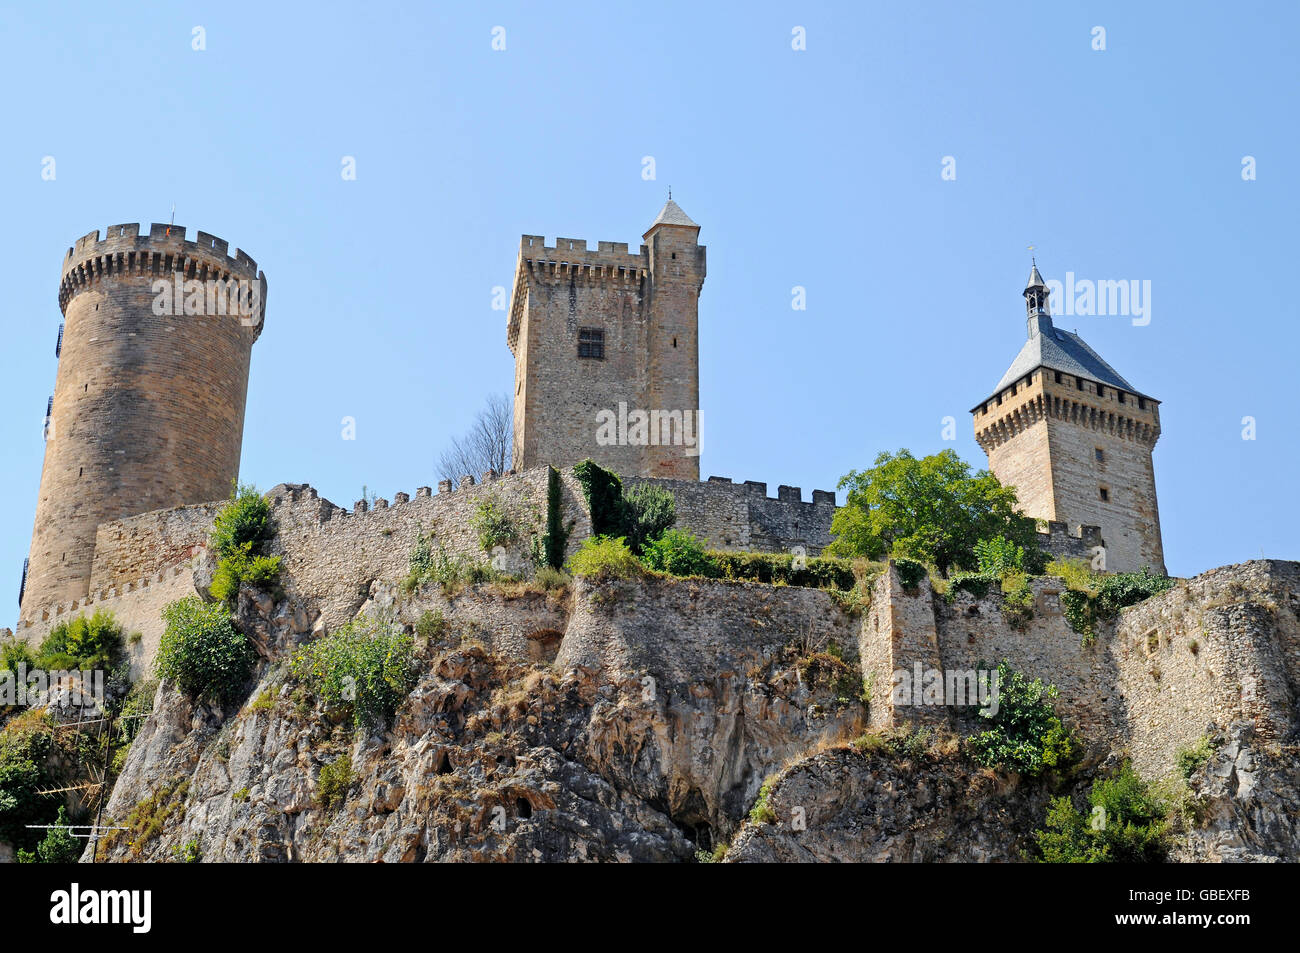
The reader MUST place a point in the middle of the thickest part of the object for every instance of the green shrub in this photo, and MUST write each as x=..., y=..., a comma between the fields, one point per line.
x=550, y=578
x=244, y=521
x=1193, y=757
x=762, y=812
x=910, y=572
x=365, y=666
x=429, y=562
x=188, y=852
x=334, y=781
x=1076, y=574
x=58, y=846
x=678, y=553
x=239, y=534
x=82, y=643
x=977, y=584
x=494, y=524
x=817, y=572
x=1024, y=734
x=1106, y=596
x=431, y=625
x=15, y=652
x=648, y=511
x=202, y=651
x=605, y=557
x=242, y=566
x=1127, y=824
x=999, y=556
x=137, y=705
x=26, y=742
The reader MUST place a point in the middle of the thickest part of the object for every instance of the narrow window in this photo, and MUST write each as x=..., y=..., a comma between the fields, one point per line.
x=1058, y=377
x=1079, y=381
x=1120, y=395
x=1142, y=404
x=1105, y=495
x=1100, y=454
x=591, y=343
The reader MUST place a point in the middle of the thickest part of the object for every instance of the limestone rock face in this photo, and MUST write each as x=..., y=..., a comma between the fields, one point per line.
x=847, y=805
x=661, y=719
x=623, y=745
x=1246, y=801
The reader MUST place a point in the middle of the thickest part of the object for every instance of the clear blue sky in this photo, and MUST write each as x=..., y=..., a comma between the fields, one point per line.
x=819, y=168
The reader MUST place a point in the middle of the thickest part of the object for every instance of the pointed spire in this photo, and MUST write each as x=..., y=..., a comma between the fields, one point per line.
x=671, y=214
x=1035, y=279
x=1037, y=307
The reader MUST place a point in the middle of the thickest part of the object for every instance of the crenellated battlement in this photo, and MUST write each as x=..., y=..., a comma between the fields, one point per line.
x=573, y=253
x=54, y=614
x=164, y=251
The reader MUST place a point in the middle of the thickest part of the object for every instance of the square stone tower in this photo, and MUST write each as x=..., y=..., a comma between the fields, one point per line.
x=1075, y=440
x=606, y=347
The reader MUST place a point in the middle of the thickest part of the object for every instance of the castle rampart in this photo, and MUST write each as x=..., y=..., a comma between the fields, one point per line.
x=741, y=516
x=1217, y=649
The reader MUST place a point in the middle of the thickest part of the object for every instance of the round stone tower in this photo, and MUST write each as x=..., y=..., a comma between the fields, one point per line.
x=148, y=406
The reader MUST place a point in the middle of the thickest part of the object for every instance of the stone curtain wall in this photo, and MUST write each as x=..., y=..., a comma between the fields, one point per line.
x=1141, y=687
x=136, y=605
x=332, y=556
x=1244, y=622
x=143, y=545
x=741, y=516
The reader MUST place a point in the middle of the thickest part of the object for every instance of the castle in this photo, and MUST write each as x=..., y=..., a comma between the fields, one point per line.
x=146, y=421
x=606, y=346
x=1075, y=440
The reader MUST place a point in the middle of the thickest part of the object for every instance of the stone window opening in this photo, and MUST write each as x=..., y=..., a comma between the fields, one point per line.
x=591, y=343
x=1100, y=454
x=1105, y=495
x=1058, y=377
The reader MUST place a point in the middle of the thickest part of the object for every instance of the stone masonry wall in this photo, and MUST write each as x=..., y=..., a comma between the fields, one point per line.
x=741, y=516
x=143, y=545
x=1220, y=648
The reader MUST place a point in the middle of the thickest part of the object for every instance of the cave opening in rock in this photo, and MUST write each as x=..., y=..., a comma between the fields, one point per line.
x=523, y=808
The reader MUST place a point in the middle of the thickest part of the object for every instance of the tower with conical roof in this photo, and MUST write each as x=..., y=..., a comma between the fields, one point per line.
x=1075, y=440
x=606, y=347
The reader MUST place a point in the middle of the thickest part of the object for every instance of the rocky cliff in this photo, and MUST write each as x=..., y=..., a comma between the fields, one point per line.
x=642, y=721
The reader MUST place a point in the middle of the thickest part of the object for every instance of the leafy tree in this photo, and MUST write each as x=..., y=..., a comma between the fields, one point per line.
x=932, y=509
x=647, y=512
x=1024, y=733
x=202, y=651
x=1127, y=824
x=678, y=553
x=58, y=846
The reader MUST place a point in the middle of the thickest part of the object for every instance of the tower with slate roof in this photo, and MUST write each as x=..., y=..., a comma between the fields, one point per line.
x=1075, y=440
x=606, y=347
